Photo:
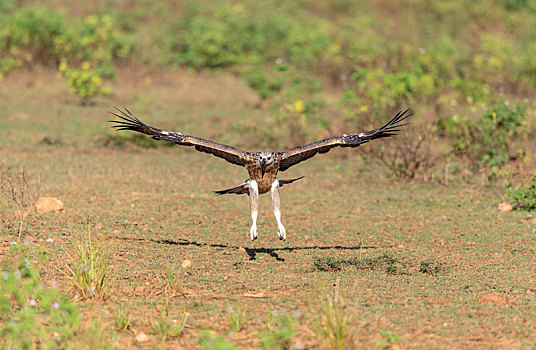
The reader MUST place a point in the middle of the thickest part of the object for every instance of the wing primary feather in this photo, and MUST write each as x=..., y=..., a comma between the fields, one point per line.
x=127, y=121
x=302, y=153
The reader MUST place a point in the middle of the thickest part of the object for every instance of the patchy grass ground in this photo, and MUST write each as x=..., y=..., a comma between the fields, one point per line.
x=417, y=265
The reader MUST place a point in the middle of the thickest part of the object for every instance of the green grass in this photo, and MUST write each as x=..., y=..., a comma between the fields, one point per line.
x=122, y=317
x=88, y=266
x=333, y=328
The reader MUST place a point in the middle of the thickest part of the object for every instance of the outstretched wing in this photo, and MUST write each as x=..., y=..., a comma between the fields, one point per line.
x=301, y=153
x=127, y=121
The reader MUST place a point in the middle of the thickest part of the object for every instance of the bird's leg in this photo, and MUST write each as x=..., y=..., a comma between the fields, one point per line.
x=254, y=207
x=276, y=206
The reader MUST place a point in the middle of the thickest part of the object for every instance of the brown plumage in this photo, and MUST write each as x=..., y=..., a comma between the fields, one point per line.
x=262, y=167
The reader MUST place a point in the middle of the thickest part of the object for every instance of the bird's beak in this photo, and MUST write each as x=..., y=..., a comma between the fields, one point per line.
x=263, y=163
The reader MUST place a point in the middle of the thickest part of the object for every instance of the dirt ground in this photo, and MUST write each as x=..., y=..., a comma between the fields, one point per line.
x=458, y=273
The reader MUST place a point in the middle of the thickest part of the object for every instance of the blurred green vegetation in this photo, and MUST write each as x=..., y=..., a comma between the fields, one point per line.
x=32, y=315
x=386, y=53
x=485, y=140
x=457, y=62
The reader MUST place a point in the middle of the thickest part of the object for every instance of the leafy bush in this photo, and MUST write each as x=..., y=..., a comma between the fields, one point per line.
x=520, y=4
x=523, y=198
x=487, y=139
x=36, y=34
x=101, y=41
x=85, y=82
x=268, y=46
x=386, y=90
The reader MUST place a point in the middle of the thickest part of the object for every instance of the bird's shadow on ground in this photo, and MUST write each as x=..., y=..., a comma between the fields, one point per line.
x=252, y=252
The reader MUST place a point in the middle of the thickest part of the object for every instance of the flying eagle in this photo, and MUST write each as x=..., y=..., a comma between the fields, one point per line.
x=261, y=166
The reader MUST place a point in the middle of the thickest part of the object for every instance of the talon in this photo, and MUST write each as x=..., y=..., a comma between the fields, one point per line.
x=253, y=233
x=282, y=233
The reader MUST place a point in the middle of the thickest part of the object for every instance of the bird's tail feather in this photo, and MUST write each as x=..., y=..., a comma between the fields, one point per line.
x=240, y=189
x=285, y=182
x=244, y=189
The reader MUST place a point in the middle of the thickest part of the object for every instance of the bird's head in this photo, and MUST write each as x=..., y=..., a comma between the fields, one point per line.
x=265, y=160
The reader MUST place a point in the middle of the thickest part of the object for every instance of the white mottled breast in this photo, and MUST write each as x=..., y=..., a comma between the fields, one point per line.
x=270, y=175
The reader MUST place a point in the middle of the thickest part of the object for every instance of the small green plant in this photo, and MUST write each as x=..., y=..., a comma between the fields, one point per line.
x=32, y=316
x=333, y=323
x=172, y=285
x=235, y=318
x=328, y=263
x=208, y=340
x=390, y=264
x=166, y=328
x=88, y=266
x=280, y=331
x=388, y=339
x=162, y=326
x=524, y=197
x=385, y=261
x=430, y=268
x=95, y=336
x=122, y=318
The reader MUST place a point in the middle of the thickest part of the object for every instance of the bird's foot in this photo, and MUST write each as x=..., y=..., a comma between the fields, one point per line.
x=282, y=233
x=253, y=232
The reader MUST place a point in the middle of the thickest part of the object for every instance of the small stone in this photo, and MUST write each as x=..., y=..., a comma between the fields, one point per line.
x=141, y=337
x=49, y=204
x=186, y=264
x=298, y=345
x=505, y=207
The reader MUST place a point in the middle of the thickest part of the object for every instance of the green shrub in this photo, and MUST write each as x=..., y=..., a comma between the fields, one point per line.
x=265, y=43
x=520, y=4
x=487, y=139
x=36, y=34
x=85, y=82
x=523, y=198
x=101, y=41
